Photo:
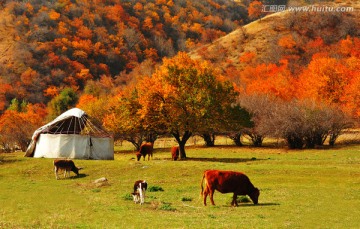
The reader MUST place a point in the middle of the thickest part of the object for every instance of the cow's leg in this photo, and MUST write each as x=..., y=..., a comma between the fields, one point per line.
x=65, y=171
x=136, y=199
x=142, y=195
x=205, y=196
x=212, y=196
x=234, y=202
x=56, y=173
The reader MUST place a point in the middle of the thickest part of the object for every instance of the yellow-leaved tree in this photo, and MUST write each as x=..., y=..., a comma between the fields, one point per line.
x=184, y=97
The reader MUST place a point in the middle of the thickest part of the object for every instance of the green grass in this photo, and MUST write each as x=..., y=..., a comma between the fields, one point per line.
x=299, y=189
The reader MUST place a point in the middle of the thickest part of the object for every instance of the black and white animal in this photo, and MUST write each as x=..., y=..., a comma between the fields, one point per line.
x=140, y=187
x=66, y=166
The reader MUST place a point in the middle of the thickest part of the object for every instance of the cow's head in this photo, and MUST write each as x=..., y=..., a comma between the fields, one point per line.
x=136, y=197
x=138, y=156
x=254, y=195
x=76, y=170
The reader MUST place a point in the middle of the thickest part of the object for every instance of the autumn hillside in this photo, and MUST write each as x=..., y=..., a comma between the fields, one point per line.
x=7, y=38
x=261, y=37
x=144, y=69
x=49, y=46
x=304, y=55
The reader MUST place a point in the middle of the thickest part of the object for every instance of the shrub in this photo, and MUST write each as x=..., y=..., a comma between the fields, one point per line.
x=300, y=123
x=155, y=189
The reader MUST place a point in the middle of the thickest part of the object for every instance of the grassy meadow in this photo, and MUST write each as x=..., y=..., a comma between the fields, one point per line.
x=299, y=189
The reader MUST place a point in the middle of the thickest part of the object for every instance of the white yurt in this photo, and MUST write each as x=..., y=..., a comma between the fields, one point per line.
x=71, y=135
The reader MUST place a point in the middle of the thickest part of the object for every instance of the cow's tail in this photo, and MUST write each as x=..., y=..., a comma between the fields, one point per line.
x=202, y=187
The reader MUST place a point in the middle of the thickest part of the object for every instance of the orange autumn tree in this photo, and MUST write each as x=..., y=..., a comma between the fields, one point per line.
x=95, y=107
x=18, y=125
x=325, y=79
x=349, y=48
x=268, y=79
x=183, y=97
x=123, y=118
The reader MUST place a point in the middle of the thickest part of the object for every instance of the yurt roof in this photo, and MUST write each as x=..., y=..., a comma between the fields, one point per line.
x=73, y=121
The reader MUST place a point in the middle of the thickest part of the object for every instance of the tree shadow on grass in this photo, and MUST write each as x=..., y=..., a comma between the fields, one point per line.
x=8, y=158
x=225, y=160
x=8, y=161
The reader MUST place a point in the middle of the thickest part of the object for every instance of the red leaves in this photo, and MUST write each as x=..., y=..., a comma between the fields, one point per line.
x=255, y=9
x=331, y=77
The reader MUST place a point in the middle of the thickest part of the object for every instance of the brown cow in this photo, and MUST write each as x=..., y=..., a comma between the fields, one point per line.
x=228, y=181
x=145, y=149
x=66, y=165
x=175, y=152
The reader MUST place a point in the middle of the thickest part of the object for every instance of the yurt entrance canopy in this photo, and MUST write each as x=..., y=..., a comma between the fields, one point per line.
x=71, y=135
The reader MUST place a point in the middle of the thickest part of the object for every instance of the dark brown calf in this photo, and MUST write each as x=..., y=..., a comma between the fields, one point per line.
x=66, y=165
x=228, y=181
x=145, y=149
x=175, y=152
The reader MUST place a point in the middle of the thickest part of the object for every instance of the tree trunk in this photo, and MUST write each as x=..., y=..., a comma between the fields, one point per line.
x=236, y=138
x=151, y=137
x=182, y=141
x=209, y=139
x=182, y=150
x=256, y=139
x=295, y=142
x=136, y=142
x=333, y=137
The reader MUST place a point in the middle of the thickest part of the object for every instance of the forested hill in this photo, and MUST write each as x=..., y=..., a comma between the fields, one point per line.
x=57, y=44
x=50, y=47
x=283, y=35
x=295, y=55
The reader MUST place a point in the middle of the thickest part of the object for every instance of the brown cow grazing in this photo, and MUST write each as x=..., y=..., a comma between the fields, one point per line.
x=228, y=181
x=175, y=152
x=140, y=187
x=145, y=149
x=66, y=165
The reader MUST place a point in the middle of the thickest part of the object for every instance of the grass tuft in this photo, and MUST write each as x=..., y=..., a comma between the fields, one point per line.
x=167, y=207
x=243, y=199
x=128, y=196
x=186, y=199
x=155, y=189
